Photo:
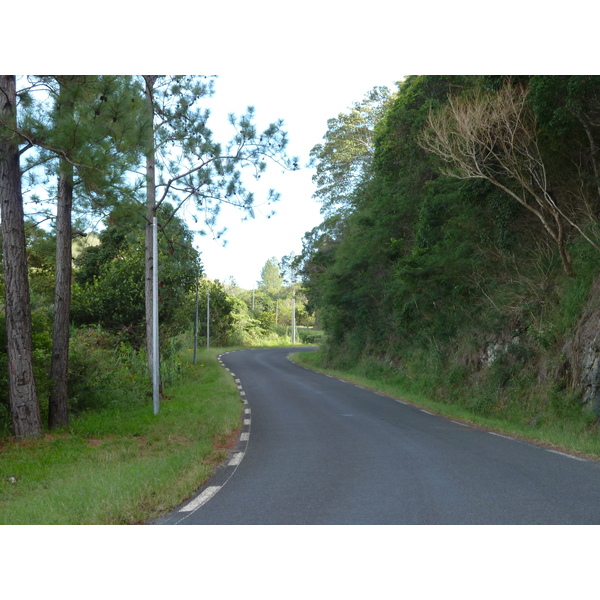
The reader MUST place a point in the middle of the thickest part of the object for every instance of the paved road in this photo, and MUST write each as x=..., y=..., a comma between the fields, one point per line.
x=322, y=451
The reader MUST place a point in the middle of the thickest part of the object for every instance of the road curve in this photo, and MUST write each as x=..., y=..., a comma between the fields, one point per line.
x=317, y=450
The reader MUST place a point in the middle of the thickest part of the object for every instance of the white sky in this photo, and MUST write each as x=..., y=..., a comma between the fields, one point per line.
x=304, y=105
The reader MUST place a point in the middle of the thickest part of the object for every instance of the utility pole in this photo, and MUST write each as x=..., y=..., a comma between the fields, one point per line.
x=155, y=357
x=208, y=319
x=196, y=324
x=293, y=278
x=294, y=318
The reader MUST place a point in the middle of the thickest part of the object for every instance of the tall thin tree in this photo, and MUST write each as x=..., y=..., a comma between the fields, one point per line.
x=58, y=413
x=22, y=392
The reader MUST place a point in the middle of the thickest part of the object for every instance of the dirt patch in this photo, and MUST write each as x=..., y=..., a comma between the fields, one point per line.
x=222, y=444
x=12, y=442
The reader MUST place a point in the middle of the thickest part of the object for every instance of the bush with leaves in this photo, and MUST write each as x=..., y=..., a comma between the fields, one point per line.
x=109, y=286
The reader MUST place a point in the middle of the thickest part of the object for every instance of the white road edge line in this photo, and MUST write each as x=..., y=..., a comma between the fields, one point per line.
x=236, y=459
x=205, y=496
x=567, y=455
x=451, y=420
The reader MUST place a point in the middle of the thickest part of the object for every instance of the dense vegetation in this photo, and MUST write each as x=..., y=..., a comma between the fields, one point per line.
x=95, y=175
x=459, y=255
x=107, y=358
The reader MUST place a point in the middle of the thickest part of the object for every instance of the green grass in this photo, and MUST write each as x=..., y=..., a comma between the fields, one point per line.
x=569, y=430
x=124, y=465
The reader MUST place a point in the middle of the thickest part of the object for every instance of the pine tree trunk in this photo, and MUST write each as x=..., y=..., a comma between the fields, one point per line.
x=22, y=392
x=58, y=409
x=58, y=412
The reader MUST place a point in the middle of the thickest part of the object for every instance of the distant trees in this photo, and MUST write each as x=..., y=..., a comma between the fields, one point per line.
x=271, y=280
x=225, y=312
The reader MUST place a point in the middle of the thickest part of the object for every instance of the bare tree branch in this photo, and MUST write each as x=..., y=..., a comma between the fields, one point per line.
x=493, y=136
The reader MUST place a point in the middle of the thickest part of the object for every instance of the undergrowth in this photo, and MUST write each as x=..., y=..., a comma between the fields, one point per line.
x=120, y=463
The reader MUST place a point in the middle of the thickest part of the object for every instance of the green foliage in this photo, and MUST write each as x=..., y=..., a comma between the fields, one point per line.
x=94, y=123
x=109, y=289
x=450, y=286
x=270, y=278
x=346, y=154
x=224, y=310
x=105, y=372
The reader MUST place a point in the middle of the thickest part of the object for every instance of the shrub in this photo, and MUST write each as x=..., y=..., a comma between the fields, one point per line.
x=104, y=371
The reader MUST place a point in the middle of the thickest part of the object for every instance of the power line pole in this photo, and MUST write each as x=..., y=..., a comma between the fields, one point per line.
x=155, y=357
x=294, y=318
x=208, y=319
x=293, y=278
x=196, y=324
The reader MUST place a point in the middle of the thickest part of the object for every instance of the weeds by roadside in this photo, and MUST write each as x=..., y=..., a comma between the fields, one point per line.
x=121, y=464
x=548, y=423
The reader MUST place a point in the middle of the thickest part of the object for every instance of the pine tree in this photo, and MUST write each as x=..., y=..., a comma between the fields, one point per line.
x=23, y=397
x=183, y=163
x=271, y=280
x=92, y=133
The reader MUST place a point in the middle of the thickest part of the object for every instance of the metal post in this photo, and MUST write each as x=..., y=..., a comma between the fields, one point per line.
x=294, y=319
x=196, y=324
x=155, y=356
x=293, y=281
x=208, y=319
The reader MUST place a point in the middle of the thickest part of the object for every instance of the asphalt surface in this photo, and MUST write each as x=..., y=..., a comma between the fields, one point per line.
x=317, y=450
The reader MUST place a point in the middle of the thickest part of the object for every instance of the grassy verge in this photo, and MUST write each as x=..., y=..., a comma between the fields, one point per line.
x=575, y=433
x=124, y=465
